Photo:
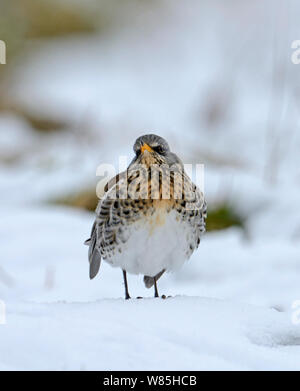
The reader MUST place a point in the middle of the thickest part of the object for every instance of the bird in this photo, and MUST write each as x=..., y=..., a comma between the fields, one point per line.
x=151, y=217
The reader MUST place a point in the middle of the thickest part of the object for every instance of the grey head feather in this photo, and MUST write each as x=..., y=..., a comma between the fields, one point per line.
x=159, y=144
x=153, y=141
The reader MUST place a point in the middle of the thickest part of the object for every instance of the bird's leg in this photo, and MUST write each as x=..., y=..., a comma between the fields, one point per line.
x=155, y=288
x=127, y=296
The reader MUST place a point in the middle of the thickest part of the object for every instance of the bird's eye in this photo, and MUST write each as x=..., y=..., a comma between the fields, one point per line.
x=159, y=149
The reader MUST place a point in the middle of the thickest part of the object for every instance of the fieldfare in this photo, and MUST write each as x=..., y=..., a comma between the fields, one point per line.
x=150, y=218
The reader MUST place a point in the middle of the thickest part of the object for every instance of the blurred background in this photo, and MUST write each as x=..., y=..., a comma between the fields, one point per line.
x=84, y=79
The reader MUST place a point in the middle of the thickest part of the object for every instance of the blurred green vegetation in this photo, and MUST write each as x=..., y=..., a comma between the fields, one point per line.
x=39, y=122
x=23, y=22
x=86, y=199
x=44, y=18
x=221, y=217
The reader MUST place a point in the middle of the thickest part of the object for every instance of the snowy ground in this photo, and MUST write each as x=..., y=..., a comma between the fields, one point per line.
x=62, y=320
x=180, y=333
x=232, y=302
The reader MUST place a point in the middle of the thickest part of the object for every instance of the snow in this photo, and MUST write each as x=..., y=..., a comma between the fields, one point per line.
x=171, y=334
x=64, y=321
x=234, y=303
x=180, y=333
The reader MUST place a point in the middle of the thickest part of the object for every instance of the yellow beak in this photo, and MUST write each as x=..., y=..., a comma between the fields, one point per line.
x=145, y=147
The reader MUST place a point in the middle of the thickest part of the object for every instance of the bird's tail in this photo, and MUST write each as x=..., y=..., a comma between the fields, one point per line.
x=94, y=255
x=149, y=281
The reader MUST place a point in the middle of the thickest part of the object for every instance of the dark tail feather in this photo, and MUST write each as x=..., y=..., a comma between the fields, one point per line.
x=95, y=262
x=149, y=281
x=94, y=255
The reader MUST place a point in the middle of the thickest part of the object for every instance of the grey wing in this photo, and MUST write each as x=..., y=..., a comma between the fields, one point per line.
x=197, y=209
x=200, y=215
x=103, y=236
x=94, y=255
x=96, y=239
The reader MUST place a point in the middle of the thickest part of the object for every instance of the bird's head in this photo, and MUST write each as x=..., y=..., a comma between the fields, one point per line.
x=154, y=149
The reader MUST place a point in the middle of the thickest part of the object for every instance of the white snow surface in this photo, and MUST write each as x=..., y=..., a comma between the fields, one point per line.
x=230, y=310
x=180, y=333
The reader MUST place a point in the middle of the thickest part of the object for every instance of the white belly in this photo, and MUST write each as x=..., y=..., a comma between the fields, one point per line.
x=159, y=242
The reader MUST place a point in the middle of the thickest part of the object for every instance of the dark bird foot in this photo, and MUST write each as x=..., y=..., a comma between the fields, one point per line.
x=139, y=297
x=127, y=296
x=155, y=288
